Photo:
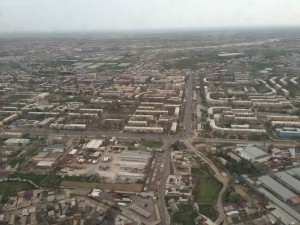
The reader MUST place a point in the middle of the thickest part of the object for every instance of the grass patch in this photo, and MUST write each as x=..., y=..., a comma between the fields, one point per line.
x=11, y=188
x=52, y=180
x=206, y=190
x=19, y=97
x=152, y=143
x=185, y=216
x=36, y=178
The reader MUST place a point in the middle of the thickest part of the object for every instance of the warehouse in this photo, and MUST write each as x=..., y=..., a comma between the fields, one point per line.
x=17, y=142
x=281, y=204
x=289, y=181
x=135, y=156
x=295, y=172
x=277, y=188
x=45, y=164
x=93, y=144
x=252, y=153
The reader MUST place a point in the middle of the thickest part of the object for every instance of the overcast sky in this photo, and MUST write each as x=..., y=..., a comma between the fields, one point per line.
x=98, y=15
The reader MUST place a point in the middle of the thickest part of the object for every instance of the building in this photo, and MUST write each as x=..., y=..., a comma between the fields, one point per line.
x=93, y=144
x=288, y=181
x=17, y=142
x=278, y=189
x=252, y=153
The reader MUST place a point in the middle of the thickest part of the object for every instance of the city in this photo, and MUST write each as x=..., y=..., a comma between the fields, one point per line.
x=182, y=128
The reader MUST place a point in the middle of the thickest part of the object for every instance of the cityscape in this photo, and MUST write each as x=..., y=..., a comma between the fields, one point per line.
x=150, y=128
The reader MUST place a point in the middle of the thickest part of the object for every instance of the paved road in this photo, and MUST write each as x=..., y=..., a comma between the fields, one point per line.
x=165, y=217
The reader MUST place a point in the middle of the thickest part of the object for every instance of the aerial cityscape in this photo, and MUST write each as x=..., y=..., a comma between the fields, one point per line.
x=176, y=127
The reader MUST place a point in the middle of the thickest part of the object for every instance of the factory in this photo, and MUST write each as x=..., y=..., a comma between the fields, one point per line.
x=252, y=153
x=93, y=144
x=17, y=142
x=288, y=181
x=278, y=189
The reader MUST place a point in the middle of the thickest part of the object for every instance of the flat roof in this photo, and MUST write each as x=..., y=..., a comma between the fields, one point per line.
x=277, y=188
x=289, y=180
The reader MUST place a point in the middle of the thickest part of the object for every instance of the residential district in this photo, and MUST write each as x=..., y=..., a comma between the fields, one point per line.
x=171, y=128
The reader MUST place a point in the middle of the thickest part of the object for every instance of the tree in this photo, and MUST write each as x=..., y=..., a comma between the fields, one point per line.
x=235, y=197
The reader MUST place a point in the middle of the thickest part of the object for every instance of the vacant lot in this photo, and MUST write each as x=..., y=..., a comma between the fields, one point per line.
x=11, y=188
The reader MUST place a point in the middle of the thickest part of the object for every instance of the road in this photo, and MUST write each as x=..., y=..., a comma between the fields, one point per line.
x=187, y=118
x=165, y=217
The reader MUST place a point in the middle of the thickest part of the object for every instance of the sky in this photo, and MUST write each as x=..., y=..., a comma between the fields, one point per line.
x=114, y=15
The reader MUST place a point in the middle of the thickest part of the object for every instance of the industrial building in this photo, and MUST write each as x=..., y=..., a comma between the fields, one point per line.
x=278, y=189
x=93, y=144
x=252, y=153
x=135, y=156
x=17, y=142
x=288, y=181
x=295, y=216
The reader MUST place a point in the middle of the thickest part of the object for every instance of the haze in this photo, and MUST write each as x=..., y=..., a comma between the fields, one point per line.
x=100, y=15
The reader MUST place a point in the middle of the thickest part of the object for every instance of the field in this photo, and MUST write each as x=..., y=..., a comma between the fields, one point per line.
x=206, y=191
x=12, y=188
x=152, y=143
x=104, y=186
x=19, y=97
x=43, y=180
x=185, y=216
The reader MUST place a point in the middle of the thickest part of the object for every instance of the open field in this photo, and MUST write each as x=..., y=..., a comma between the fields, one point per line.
x=19, y=97
x=11, y=188
x=104, y=186
x=152, y=143
x=206, y=190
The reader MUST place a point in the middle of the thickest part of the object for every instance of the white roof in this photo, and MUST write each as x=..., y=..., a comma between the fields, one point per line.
x=93, y=144
x=45, y=163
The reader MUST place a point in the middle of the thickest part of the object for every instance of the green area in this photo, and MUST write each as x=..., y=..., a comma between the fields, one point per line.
x=11, y=188
x=209, y=211
x=185, y=216
x=16, y=161
x=152, y=143
x=258, y=66
x=19, y=97
x=36, y=178
x=206, y=190
x=52, y=179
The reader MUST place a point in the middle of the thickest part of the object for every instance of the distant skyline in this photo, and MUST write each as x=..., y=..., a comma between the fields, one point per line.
x=115, y=15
